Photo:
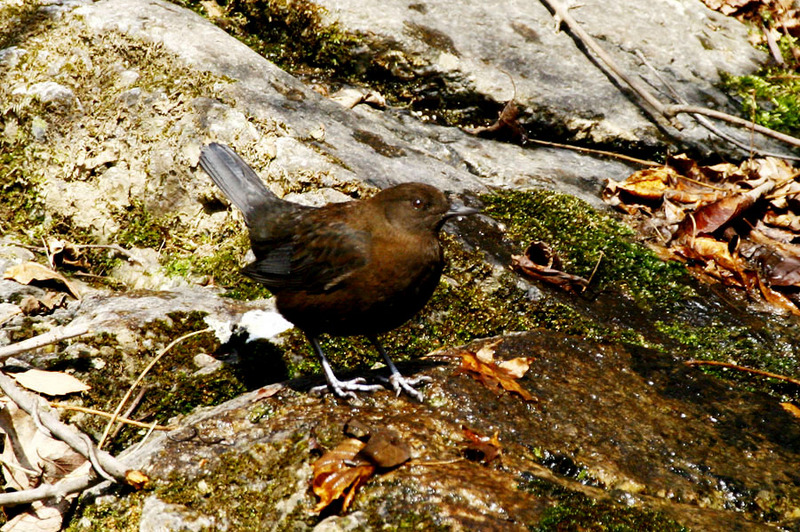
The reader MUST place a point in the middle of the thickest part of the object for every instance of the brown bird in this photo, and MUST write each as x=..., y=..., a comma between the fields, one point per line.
x=352, y=268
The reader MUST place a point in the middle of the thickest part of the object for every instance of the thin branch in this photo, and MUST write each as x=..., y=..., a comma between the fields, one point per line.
x=672, y=110
x=593, y=151
x=121, y=419
x=69, y=435
x=742, y=368
x=591, y=43
x=667, y=111
x=113, y=247
x=50, y=337
x=47, y=491
x=705, y=122
x=141, y=376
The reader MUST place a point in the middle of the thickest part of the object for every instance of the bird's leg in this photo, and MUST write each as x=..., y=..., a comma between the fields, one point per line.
x=398, y=382
x=343, y=389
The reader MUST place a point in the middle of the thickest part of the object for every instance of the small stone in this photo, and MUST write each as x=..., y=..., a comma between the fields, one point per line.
x=52, y=92
x=203, y=360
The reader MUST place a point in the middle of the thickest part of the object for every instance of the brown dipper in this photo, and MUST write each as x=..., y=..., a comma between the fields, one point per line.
x=354, y=268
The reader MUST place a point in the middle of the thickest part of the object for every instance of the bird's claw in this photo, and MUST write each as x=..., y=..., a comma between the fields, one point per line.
x=401, y=384
x=346, y=389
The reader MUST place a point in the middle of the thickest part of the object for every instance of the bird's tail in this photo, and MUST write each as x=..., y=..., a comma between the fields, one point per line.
x=237, y=180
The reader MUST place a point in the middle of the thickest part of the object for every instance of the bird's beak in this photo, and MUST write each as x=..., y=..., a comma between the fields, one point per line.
x=457, y=210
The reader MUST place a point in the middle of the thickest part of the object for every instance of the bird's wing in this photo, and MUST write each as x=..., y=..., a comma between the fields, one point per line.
x=317, y=258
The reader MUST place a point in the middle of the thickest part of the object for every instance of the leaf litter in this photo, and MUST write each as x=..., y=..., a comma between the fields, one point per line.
x=737, y=225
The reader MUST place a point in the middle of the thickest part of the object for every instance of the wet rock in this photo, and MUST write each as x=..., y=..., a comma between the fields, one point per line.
x=690, y=450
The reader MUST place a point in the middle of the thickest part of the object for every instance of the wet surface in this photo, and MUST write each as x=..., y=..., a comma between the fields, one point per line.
x=631, y=432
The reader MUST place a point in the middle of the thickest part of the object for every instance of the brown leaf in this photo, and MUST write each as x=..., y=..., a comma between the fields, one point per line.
x=50, y=382
x=648, y=184
x=507, y=126
x=541, y=262
x=493, y=375
x=481, y=448
x=711, y=217
x=28, y=272
x=340, y=472
x=792, y=409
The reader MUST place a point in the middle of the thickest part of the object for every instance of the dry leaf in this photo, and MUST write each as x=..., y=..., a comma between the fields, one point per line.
x=29, y=454
x=27, y=272
x=50, y=382
x=136, y=478
x=493, y=375
x=792, y=409
x=340, y=472
x=41, y=516
x=481, y=448
x=507, y=126
x=541, y=262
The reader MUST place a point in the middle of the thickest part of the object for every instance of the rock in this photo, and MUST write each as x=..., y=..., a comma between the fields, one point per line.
x=567, y=446
x=619, y=433
x=518, y=52
x=52, y=93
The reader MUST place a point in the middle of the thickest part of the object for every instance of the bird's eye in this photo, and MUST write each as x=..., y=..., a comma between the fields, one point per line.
x=417, y=203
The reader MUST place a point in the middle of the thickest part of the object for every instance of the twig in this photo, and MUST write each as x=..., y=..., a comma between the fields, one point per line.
x=47, y=491
x=590, y=43
x=772, y=43
x=667, y=111
x=129, y=411
x=50, y=337
x=141, y=376
x=673, y=110
x=69, y=435
x=113, y=247
x=120, y=419
x=595, y=152
x=705, y=122
x=742, y=368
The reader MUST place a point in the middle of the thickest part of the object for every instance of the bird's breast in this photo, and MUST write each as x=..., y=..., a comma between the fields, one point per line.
x=389, y=289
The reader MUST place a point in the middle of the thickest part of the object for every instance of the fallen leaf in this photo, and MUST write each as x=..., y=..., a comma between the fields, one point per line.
x=136, y=478
x=27, y=272
x=481, y=448
x=541, y=262
x=506, y=127
x=494, y=375
x=711, y=217
x=792, y=409
x=340, y=472
x=50, y=382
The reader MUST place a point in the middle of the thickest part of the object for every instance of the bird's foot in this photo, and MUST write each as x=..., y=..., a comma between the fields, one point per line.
x=346, y=389
x=401, y=384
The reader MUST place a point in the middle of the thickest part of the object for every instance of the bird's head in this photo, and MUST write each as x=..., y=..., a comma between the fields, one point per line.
x=418, y=207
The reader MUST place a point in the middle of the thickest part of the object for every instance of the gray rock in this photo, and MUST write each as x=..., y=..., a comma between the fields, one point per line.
x=475, y=47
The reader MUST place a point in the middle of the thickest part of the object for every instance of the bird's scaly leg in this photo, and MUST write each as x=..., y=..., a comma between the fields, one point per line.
x=396, y=380
x=343, y=389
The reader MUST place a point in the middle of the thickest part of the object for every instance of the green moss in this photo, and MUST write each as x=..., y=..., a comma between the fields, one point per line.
x=21, y=208
x=771, y=98
x=120, y=515
x=583, y=513
x=586, y=239
x=141, y=228
x=245, y=487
